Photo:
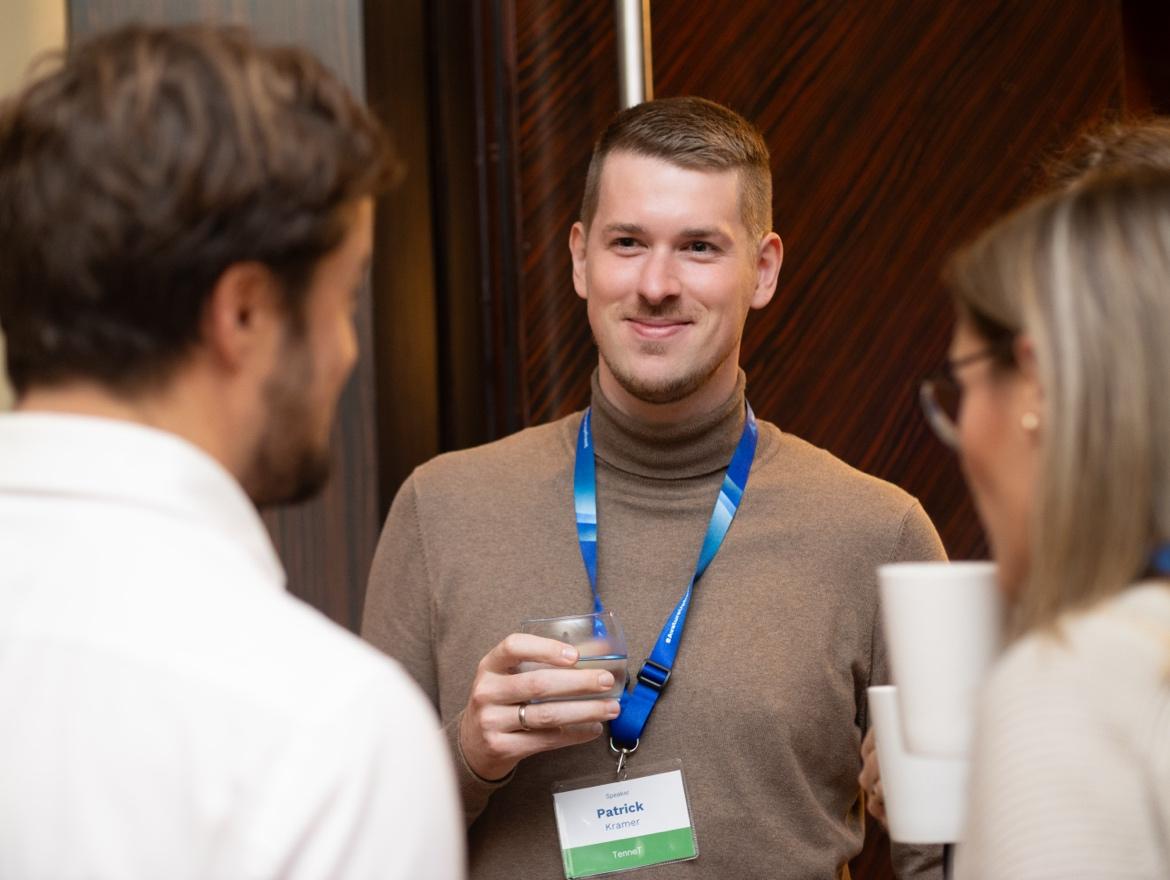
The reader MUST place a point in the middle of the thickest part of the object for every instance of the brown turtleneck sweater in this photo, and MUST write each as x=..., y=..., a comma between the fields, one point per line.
x=766, y=705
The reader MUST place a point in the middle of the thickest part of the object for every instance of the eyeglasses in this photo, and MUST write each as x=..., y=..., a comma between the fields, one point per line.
x=940, y=393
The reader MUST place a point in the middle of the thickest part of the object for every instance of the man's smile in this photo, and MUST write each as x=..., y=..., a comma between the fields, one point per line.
x=657, y=328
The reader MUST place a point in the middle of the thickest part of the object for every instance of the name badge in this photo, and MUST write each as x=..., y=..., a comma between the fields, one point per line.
x=618, y=825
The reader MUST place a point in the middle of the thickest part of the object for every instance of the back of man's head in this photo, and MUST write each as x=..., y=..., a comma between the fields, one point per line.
x=692, y=133
x=144, y=165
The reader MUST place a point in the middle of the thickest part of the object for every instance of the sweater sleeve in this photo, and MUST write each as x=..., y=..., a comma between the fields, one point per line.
x=397, y=616
x=398, y=620
x=917, y=541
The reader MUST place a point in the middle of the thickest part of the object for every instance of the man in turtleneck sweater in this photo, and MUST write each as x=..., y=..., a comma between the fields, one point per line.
x=765, y=707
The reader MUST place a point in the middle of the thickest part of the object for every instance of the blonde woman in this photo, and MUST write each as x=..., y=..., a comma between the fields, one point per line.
x=1057, y=397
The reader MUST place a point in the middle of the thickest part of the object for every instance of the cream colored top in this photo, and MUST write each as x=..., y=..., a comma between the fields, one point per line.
x=1071, y=771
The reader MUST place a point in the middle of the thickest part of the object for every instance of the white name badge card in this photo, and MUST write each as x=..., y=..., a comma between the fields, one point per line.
x=618, y=825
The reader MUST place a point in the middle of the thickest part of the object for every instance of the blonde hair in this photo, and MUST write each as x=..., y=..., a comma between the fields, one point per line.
x=1085, y=273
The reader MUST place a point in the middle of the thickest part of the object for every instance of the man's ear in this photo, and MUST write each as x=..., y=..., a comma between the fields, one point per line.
x=243, y=315
x=768, y=261
x=577, y=241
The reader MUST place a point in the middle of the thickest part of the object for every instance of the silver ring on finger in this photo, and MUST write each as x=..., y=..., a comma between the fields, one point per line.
x=520, y=710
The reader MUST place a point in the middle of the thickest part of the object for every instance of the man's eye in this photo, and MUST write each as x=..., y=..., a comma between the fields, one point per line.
x=701, y=247
x=625, y=242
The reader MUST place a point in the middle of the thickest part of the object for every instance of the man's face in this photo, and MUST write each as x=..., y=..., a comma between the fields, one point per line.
x=291, y=461
x=669, y=272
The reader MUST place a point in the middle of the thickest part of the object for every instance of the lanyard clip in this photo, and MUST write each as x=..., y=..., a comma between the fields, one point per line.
x=654, y=675
x=622, y=753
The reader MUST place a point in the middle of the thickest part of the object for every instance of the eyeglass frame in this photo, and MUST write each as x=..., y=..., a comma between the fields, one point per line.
x=944, y=427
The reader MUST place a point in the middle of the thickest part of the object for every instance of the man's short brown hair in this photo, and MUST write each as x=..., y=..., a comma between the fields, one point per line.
x=141, y=167
x=692, y=133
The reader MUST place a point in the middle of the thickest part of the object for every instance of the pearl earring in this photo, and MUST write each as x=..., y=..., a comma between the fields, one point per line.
x=1030, y=422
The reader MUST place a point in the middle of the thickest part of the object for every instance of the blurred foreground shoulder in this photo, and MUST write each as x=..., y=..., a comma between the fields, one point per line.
x=373, y=752
x=1070, y=776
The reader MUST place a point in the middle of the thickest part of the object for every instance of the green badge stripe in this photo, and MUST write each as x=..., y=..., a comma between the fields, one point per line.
x=632, y=852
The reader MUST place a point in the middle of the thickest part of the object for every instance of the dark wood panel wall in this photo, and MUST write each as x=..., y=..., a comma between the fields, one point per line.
x=326, y=544
x=566, y=90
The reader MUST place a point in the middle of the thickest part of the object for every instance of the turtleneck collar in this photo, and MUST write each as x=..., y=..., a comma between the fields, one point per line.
x=668, y=452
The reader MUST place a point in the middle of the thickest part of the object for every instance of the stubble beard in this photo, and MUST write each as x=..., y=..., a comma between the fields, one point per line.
x=668, y=389
x=288, y=466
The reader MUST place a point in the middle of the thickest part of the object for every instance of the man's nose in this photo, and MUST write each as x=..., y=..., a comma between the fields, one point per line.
x=659, y=278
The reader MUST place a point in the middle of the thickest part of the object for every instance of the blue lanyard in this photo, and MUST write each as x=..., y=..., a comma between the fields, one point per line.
x=626, y=729
x=1160, y=560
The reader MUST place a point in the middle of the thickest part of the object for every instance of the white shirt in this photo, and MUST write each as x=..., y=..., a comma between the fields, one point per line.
x=1070, y=777
x=167, y=710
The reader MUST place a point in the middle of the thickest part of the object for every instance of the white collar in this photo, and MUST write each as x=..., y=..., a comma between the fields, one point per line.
x=116, y=460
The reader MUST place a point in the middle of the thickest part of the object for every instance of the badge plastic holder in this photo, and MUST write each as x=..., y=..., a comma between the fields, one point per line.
x=611, y=824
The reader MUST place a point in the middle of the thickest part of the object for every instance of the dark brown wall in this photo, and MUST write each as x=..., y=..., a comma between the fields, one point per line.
x=327, y=544
x=406, y=311
x=1146, y=24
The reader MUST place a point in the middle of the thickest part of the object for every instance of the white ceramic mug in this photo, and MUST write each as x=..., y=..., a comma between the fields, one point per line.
x=925, y=798
x=944, y=627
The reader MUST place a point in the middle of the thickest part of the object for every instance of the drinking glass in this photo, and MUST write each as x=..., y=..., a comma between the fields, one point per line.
x=599, y=640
